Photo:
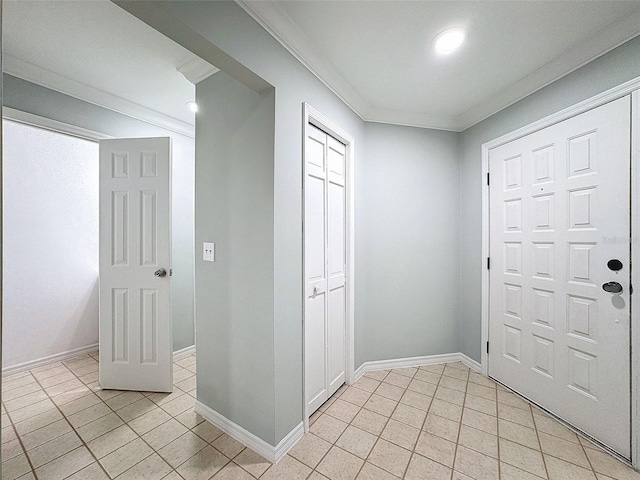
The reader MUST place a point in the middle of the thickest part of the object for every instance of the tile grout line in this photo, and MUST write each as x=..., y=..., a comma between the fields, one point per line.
x=535, y=426
x=455, y=450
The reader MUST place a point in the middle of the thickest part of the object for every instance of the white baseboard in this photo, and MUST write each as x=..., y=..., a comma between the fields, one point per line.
x=183, y=352
x=415, y=362
x=58, y=357
x=266, y=450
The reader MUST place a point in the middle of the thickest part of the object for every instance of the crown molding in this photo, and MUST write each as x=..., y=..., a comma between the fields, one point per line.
x=577, y=56
x=277, y=23
x=197, y=70
x=46, y=78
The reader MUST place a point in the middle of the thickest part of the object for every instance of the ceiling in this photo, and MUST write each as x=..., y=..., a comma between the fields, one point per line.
x=375, y=55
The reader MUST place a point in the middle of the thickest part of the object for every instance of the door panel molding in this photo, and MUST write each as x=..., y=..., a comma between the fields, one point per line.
x=311, y=116
x=631, y=87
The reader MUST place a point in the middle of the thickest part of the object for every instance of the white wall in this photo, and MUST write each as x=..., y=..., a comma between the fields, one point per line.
x=50, y=245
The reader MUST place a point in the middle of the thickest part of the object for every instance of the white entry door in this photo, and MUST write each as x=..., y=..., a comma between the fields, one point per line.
x=135, y=265
x=324, y=253
x=560, y=229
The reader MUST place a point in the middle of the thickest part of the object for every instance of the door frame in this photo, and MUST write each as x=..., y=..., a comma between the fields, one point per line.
x=312, y=116
x=631, y=87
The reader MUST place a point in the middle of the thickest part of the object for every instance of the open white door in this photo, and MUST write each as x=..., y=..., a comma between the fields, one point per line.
x=135, y=264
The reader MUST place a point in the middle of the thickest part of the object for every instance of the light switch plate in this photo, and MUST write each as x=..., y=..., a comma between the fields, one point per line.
x=209, y=252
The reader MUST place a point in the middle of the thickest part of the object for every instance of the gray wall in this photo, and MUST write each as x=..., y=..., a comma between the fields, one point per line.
x=28, y=97
x=616, y=67
x=234, y=294
x=407, y=243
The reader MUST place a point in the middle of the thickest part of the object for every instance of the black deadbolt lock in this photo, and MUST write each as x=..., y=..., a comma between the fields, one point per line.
x=614, y=265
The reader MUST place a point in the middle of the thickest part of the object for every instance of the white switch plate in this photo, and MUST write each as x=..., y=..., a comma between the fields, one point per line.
x=209, y=253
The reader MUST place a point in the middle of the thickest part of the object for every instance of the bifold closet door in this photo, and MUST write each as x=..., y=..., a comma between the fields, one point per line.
x=324, y=263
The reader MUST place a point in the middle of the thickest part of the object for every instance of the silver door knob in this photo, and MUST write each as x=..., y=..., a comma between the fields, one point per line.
x=161, y=272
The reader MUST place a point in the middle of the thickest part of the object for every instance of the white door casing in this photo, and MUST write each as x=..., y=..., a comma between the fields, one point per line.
x=559, y=211
x=325, y=264
x=135, y=244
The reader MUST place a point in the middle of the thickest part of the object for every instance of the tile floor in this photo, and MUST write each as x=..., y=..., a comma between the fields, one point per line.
x=435, y=422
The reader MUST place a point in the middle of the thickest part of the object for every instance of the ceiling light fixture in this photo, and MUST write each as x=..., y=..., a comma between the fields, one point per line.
x=193, y=106
x=449, y=41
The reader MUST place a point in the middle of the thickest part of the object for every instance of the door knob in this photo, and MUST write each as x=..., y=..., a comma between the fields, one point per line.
x=612, y=287
x=161, y=272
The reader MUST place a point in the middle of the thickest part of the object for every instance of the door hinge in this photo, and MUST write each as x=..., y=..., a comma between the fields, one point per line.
x=631, y=289
x=171, y=272
x=488, y=263
x=488, y=178
x=487, y=347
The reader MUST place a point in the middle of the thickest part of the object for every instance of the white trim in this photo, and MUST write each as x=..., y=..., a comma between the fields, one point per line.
x=46, y=78
x=52, y=125
x=235, y=431
x=183, y=352
x=313, y=116
x=635, y=278
x=58, y=357
x=415, y=362
x=630, y=87
x=197, y=70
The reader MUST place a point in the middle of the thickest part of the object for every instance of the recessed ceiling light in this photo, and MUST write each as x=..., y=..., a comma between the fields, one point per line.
x=449, y=41
x=193, y=106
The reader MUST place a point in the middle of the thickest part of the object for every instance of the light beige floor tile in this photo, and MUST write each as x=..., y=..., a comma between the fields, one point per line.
x=460, y=476
x=371, y=472
x=43, y=435
x=478, y=378
x=179, y=405
x=453, y=383
x=390, y=457
x=512, y=400
x=150, y=468
x=515, y=415
x=378, y=375
x=48, y=371
x=52, y=381
x=427, y=376
x=509, y=472
x=450, y=395
x=490, y=407
x=25, y=400
x=125, y=457
x=164, y=434
x=91, y=472
x=111, y=441
x=548, y=425
x=71, y=395
x=522, y=457
x=8, y=434
x=89, y=378
x=20, y=391
x=38, y=421
x=149, y=421
x=310, y=449
x=561, y=470
x=406, y=371
x=26, y=413
x=328, y=428
x=389, y=391
x=436, y=368
x=79, y=404
x=421, y=468
x=480, y=421
x=203, y=465
x=446, y=410
x=136, y=409
x=180, y=375
x=398, y=380
x=232, y=472
x=442, y=427
x=457, y=365
x=370, y=421
x=356, y=441
x=88, y=415
x=409, y=415
x=99, y=427
x=15, y=467
x=400, y=434
x=568, y=451
x=252, y=462
x=123, y=400
x=186, y=361
x=104, y=394
x=356, y=396
x=51, y=450
x=189, y=419
x=519, y=434
x=383, y=406
x=327, y=404
x=483, y=391
x=344, y=411
x=64, y=387
x=182, y=448
x=207, y=431
x=288, y=468
x=11, y=449
x=422, y=387
x=65, y=466
x=416, y=400
x=339, y=464
x=17, y=381
x=84, y=369
x=368, y=384
x=479, y=441
x=229, y=446
x=476, y=465
x=436, y=448
x=607, y=465
x=187, y=384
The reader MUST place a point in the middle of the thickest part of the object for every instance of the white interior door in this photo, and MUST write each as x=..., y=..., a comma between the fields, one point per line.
x=324, y=252
x=560, y=210
x=135, y=264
